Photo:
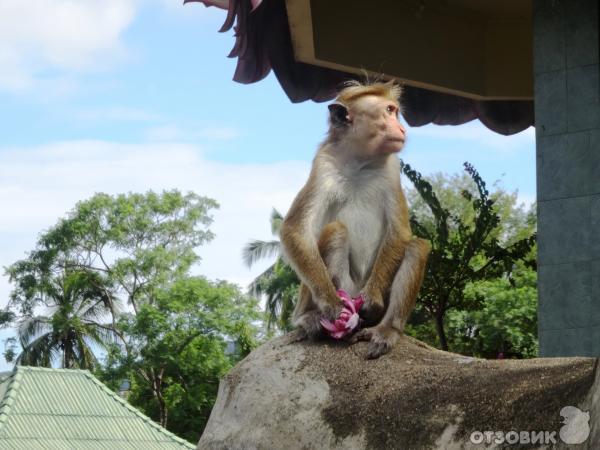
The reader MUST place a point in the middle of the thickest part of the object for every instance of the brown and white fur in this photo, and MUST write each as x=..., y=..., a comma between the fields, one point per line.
x=348, y=227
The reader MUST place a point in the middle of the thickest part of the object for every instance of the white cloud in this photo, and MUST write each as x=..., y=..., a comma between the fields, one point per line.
x=434, y=148
x=171, y=132
x=46, y=44
x=37, y=36
x=38, y=185
x=475, y=133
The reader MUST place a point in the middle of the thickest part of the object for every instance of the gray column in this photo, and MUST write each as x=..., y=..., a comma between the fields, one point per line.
x=567, y=118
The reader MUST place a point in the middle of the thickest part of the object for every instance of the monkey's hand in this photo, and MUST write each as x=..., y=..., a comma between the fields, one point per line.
x=309, y=323
x=373, y=307
x=331, y=310
x=347, y=321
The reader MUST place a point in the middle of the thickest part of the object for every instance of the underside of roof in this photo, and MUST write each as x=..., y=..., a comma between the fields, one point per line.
x=70, y=409
x=263, y=42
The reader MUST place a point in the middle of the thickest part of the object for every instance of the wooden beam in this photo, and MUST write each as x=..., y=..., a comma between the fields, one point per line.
x=453, y=46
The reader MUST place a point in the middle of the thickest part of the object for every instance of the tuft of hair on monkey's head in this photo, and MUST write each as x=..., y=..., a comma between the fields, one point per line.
x=351, y=90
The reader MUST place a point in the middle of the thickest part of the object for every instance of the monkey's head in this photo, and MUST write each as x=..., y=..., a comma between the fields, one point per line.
x=364, y=119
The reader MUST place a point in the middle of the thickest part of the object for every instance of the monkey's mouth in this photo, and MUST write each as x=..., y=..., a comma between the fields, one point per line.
x=396, y=140
x=398, y=143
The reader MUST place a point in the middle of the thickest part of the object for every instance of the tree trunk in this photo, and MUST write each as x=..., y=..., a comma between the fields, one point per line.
x=67, y=357
x=162, y=407
x=439, y=325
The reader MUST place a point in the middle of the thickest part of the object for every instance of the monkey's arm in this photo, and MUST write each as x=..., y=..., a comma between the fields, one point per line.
x=301, y=248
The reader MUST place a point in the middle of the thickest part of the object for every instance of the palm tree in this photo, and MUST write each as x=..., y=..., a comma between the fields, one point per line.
x=279, y=283
x=72, y=329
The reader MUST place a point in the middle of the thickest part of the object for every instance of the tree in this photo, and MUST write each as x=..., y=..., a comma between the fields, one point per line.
x=465, y=248
x=278, y=283
x=505, y=324
x=108, y=251
x=71, y=329
x=132, y=243
x=516, y=221
x=178, y=351
x=134, y=250
x=280, y=287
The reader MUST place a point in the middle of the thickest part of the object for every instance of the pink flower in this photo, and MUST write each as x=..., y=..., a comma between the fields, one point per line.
x=348, y=319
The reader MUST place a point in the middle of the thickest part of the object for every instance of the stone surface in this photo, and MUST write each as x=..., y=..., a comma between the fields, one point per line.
x=558, y=282
x=583, y=98
x=566, y=341
x=549, y=44
x=564, y=231
x=566, y=178
x=567, y=109
x=550, y=105
x=581, y=30
x=325, y=395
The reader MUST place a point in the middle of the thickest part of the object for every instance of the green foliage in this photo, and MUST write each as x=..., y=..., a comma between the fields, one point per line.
x=122, y=248
x=469, y=244
x=515, y=223
x=135, y=250
x=178, y=351
x=279, y=283
x=505, y=323
x=280, y=288
x=72, y=328
x=133, y=242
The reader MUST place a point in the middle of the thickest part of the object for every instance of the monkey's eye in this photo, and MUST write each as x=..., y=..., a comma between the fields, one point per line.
x=391, y=109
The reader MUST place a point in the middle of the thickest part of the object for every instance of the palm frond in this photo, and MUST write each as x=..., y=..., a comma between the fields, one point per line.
x=255, y=287
x=100, y=335
x=39, y=352
x=94, y=311
x=83, y=356
x=276, y=221
x=278, y=284
x=65, y=334
x=32, y=327
x=257, y=249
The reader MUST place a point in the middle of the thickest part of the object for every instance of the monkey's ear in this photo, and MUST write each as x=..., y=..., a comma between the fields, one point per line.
x=338, y=114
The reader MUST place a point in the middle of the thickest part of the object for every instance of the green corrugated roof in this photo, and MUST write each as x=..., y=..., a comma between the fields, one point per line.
x=71, y=409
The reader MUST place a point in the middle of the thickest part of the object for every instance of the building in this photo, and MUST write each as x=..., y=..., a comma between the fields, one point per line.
x=65, y=409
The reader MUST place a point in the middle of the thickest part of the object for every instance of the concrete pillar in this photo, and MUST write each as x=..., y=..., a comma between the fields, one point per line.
x=567, y=118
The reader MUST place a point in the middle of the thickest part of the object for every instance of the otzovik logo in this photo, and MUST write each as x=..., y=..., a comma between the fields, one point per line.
x=575, y=430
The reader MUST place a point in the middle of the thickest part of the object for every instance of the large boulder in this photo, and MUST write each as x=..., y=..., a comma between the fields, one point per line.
x=325, y=395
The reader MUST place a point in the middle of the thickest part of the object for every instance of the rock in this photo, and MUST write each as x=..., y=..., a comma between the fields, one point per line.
x=325, y=395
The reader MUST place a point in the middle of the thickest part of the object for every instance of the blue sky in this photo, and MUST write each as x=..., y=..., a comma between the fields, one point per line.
x=132, y=95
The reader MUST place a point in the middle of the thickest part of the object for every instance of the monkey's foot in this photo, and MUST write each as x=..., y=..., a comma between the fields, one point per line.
x=309, y=325
x=372, y=309
x=299, y=334
x=381, y=340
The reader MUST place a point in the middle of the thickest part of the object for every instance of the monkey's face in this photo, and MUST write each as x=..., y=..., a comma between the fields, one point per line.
x=375, y=126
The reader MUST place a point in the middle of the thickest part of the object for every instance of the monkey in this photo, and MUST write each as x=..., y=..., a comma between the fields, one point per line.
x=348, y=227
